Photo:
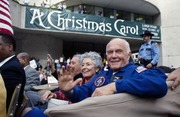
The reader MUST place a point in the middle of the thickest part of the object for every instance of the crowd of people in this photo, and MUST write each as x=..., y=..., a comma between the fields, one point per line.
x=84, y=76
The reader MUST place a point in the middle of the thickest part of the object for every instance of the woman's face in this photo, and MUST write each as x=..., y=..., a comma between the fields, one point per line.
x=88, y=68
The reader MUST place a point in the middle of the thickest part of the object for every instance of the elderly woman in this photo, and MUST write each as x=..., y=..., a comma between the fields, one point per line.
x=91, y=64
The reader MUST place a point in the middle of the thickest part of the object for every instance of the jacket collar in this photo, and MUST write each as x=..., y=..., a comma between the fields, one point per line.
x=6, y=60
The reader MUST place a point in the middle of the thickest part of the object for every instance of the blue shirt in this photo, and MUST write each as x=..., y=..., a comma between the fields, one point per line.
x=130, y=79
x=150, y=51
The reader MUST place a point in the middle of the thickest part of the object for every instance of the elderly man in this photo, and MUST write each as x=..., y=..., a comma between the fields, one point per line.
x=32, y=75
x=75, y=66
x=123, y=76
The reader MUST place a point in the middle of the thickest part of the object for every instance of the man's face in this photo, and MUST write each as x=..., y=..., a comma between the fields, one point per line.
x=75, y=65
x=146, y=38
x=117, y=54
x=21, y=60
x=4, y=49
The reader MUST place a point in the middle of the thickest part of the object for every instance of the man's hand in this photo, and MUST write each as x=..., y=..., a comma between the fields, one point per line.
x=66, y=82
x=47, y=95
x=105, y=90
x=149, y=65
x=174, y=76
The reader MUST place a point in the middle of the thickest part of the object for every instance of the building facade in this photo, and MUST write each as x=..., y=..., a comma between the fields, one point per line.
x=89, y=25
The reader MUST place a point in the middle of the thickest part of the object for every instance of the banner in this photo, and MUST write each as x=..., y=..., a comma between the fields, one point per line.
x=40, y=18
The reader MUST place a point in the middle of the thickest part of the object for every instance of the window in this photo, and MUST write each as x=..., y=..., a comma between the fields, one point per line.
x=99, y=11
x=149, y=20
x=123, y=15
x=89, y=9
x=139, y=18
x=108, y=13
x=70, y=9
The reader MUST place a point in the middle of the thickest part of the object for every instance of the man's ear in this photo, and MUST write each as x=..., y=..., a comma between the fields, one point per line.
x=129, y=53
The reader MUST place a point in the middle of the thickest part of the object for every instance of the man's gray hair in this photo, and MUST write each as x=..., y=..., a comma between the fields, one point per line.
x=78, y=56
x=125, y=42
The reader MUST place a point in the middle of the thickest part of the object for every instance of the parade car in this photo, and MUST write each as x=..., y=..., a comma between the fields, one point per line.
x=122, y=105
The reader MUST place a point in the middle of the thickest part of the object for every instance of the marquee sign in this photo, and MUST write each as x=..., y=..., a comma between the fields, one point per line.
x=39, y=18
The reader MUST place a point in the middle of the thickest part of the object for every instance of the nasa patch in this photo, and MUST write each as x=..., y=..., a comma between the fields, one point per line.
x=99, y=81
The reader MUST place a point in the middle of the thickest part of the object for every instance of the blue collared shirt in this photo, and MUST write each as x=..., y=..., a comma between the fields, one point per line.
x=150, y=51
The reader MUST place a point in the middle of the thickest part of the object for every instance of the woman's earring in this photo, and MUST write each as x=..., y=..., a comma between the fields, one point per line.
x=97, y=70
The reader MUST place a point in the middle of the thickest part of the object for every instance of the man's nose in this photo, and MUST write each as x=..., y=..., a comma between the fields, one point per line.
x=114, y=54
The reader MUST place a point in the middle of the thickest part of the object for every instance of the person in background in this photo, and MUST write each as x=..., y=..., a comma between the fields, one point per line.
x=68, y=60
x=46, y=3
x=26, y=2
x=62, y=59
x=60, y=7
x=11, y=70
x=149, y=52
x=122, y=77
x=80, y=9
x=32, y=75
x=75, y=65
x=50, y=69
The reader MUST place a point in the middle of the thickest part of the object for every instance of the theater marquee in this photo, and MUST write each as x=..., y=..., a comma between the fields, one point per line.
x=39, y=18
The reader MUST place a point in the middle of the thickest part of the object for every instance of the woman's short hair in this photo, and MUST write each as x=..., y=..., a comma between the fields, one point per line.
x=95, y=57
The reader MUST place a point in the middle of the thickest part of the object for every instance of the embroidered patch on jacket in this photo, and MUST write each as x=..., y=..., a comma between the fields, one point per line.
x=99, y=81
x=140, y=69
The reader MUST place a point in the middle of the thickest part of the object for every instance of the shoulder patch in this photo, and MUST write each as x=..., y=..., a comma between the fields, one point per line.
x=99, y=81
x=140, y=69
x=155, y=44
